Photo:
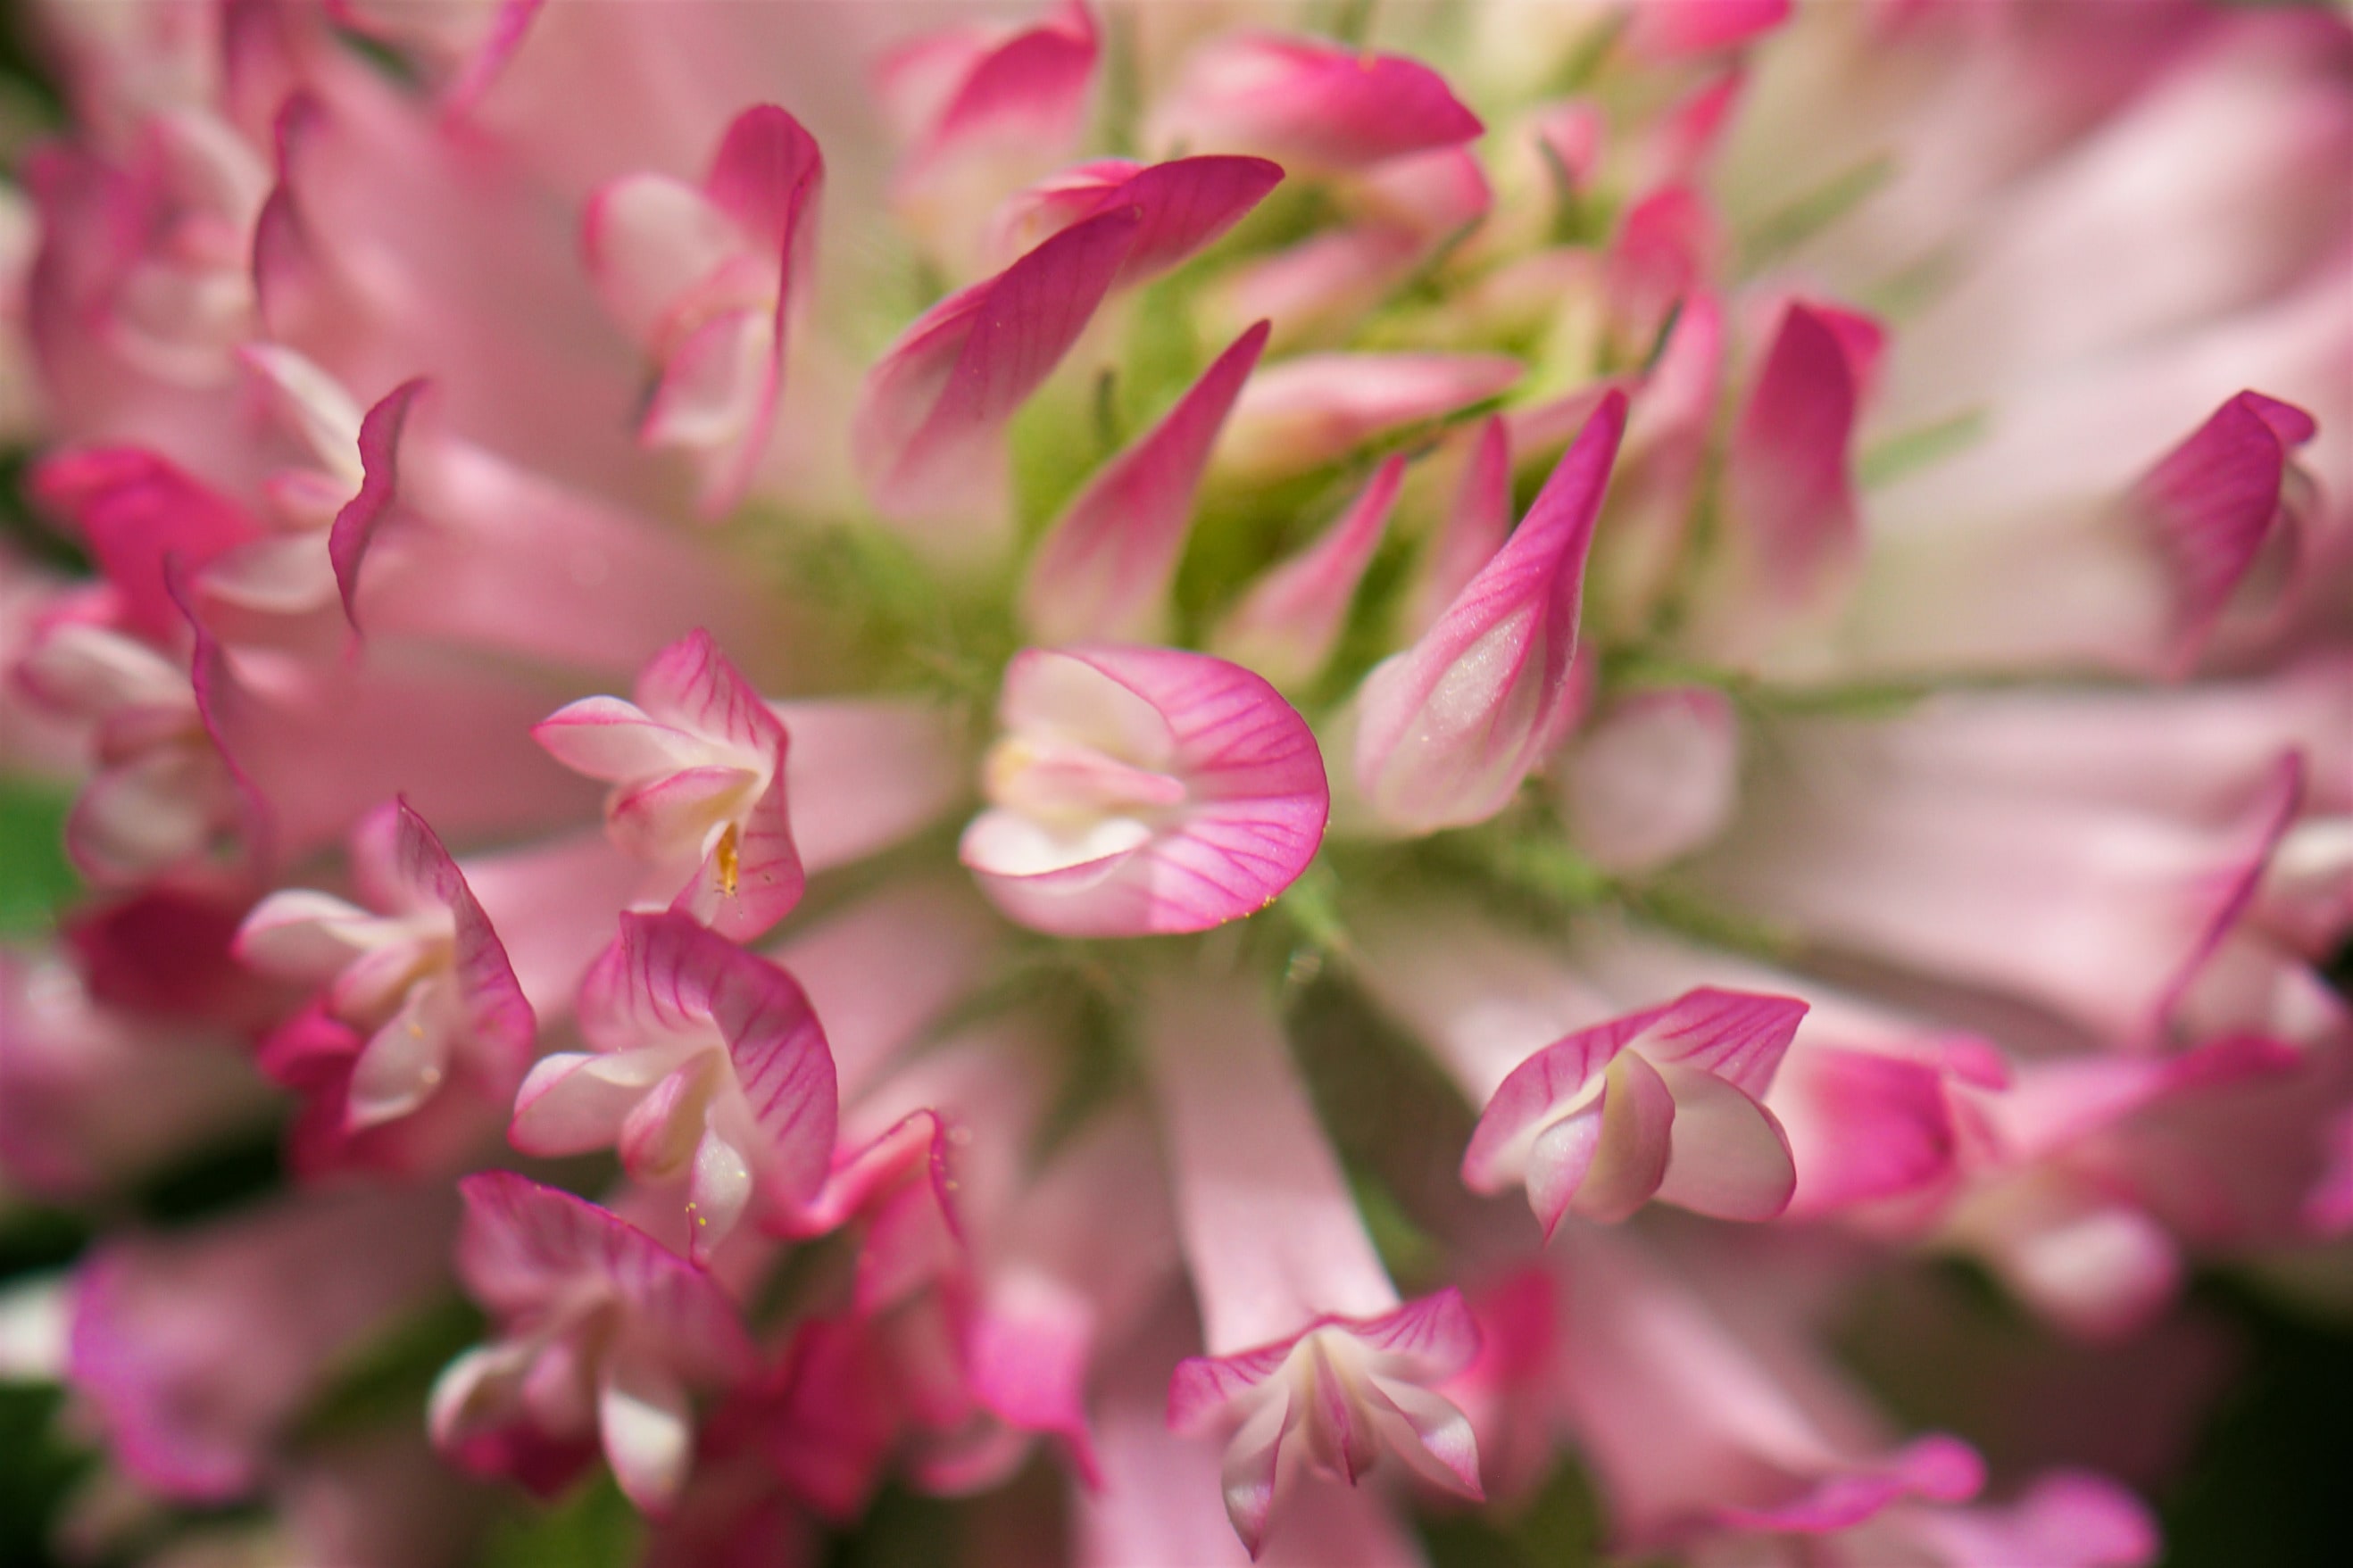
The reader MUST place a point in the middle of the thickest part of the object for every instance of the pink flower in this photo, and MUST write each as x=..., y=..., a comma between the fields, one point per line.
x=1102, y=678
x=698, y=766
x=603, y=1332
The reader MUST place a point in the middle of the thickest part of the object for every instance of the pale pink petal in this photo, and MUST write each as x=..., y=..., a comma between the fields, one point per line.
x=1290, y=620
x=1269, y=1231
x=1729, y=1158
x=1651, y=778
x=608, y=739
x=864, y=773
x=575, y=1101
x=2064, y=1520
x=925, y=431
x=1631, y=1150
x=1315, y=409
x=1247, y=814
x=303, y=935
x=970, y=93
x=1448, y=729
x=1308, y=103
x=646, y=1429
x=1104, y=570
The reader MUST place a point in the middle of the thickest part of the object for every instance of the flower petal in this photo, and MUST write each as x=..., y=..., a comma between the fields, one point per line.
x=1316, y=408
x=1105, y=569
x=1309, y=103
x=1449, y=728
x=1288, y=622
x=1728, y=1157
x=1253, y=816
x=924, y=433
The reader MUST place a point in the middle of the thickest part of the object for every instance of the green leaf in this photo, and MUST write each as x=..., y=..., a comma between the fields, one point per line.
x=35, y=878
x=592, y=1527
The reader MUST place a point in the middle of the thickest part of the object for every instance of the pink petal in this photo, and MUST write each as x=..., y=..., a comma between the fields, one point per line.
x=1666, y=251
x=1473, y=530
x=1186, y=203
x=2064, y=1520
x=1104, y=570
x=1935, y=1468
x=356, y=525
x=134, y=510
x=1735, y=1037
x=1449, y=728
x=1237, y=1126
x=1675, y=29
x=1728, y=1157
x=1790, y=492
x=608, y=739
x=665, y=972
x=1317, y=408
x=646, y=1430
x=767, y=175
x=1288, y=622
x=1862, y=1127
x=693, y=685
x=1253, y=817
x=499, y=1022
x=924, y=432
x=2210, y=504
x=863, y=774
x=1309, y=103
x=1028, y=88
x=198, y=1349
x=525, y=1249
x=1294, y=1394
x=1655, y=777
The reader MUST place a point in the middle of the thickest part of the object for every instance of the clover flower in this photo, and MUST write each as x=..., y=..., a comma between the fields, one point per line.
x=1220, y=641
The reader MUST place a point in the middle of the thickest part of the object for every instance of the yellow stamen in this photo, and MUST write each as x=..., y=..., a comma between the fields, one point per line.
x=729, y=866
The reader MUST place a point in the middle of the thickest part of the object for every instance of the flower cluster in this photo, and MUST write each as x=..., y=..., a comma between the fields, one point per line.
x=1227, y=774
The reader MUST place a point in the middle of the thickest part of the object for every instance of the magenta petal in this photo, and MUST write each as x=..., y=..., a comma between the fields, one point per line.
x=1737, y=1035
x=1103, y=571
x=1789, y=494
x=1290, y=621
x=1252, y=811
x=356, y=524
x=1309, y=102
x=499, y=1022
x=931, y=409
x=2210, y=504
x=1449, y=728
x=135, y=511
